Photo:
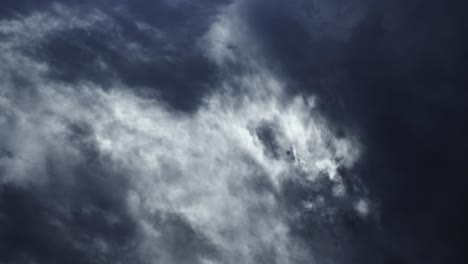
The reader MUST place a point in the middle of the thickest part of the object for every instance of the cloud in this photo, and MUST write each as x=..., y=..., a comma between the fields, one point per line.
x=119, y=177
x=395, y=72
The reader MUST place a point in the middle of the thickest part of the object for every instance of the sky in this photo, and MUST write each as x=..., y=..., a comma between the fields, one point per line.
x=233, y=131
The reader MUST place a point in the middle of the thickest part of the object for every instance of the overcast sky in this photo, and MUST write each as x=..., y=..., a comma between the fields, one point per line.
x=233, y=131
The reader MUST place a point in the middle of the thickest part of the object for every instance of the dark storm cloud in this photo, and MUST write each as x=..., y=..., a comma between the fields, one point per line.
x=10, y=8
x=117, y=176
x=396, y=72
x=167, y=31
x=177, y=74
x=96, y=168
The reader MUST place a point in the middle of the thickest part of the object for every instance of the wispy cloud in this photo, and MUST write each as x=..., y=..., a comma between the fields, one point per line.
x=206, y=186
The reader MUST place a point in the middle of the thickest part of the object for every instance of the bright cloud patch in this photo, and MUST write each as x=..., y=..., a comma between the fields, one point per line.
x=218, y=173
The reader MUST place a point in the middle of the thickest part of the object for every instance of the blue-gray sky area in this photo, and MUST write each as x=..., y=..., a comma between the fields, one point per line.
x=233, y=131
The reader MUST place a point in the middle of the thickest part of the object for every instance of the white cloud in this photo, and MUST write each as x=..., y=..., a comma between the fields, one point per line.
x=199, y=165
x=37, y=25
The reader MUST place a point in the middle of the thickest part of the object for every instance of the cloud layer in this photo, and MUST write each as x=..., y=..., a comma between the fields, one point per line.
x=99, y=169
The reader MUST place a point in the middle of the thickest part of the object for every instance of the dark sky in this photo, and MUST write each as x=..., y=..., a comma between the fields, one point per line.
x=244, y=131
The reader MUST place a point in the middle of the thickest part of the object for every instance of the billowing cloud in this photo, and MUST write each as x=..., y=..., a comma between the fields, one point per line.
x=105, y=174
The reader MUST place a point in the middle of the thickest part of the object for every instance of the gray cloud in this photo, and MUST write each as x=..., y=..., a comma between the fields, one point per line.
x=104, y=174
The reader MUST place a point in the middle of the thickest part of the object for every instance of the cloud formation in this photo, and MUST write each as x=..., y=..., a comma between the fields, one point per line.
x=102, y=173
